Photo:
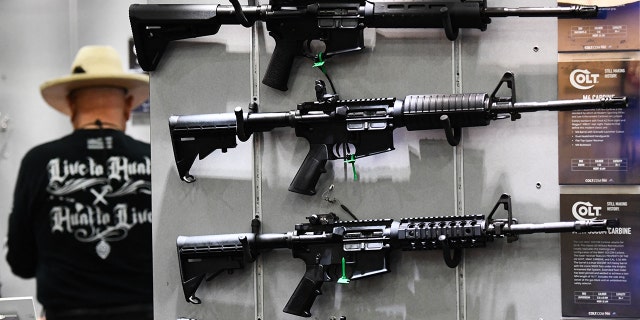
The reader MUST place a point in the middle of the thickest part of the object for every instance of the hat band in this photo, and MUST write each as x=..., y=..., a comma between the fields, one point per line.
x=72, y=92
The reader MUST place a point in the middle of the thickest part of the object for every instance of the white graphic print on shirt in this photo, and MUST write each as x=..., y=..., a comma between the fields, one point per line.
x=92, y=206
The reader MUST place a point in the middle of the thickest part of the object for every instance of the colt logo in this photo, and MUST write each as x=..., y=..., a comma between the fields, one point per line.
x=583, y=79
x=585, y=211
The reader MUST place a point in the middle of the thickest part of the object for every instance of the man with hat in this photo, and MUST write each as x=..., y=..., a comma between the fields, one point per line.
x=81, y=217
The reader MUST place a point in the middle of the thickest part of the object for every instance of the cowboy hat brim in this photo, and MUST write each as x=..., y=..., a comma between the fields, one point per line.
x=55, y=91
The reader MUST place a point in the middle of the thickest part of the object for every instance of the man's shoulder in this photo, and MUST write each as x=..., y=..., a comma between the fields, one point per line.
x=43, y=152
x=136, y=141
x=136, y=144
x=52, y=146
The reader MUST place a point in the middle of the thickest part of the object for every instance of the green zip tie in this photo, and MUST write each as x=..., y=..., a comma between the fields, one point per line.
x=320, y=63
x=352, y=160
x=344, y=279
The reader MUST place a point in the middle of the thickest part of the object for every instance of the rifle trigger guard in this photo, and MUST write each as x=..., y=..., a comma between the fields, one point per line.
x=453, y=134
x=452, y=257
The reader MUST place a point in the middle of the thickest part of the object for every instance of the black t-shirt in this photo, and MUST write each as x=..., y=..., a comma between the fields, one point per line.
x=81, y=221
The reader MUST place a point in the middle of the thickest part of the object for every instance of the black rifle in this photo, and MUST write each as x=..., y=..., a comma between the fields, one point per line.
x=351, y=129
x=295, y=23
x=340, y=251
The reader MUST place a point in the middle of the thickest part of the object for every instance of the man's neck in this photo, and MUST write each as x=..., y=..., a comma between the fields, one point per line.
x=95, y=108
x=99, y=124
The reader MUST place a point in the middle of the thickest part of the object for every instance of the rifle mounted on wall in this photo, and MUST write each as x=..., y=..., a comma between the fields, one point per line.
x=352, y=129
x=344, y=251
x=295, y=23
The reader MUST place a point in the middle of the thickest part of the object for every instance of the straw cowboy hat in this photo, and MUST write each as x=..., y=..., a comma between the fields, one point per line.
x=95, y=66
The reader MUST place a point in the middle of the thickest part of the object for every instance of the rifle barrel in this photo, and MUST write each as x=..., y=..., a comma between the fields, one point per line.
x=561, y=105
x=557, y=227
x=560, y=12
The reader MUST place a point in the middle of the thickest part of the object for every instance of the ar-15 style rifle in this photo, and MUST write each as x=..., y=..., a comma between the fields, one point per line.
x=340, y=251
x=351, y=129
x=295, y=23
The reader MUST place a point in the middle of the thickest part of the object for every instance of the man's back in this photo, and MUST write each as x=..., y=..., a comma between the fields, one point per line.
x=85, y=199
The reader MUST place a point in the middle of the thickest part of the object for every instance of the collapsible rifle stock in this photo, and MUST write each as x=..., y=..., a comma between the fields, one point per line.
x=295, y=23
x=341, y=251
x=351, y=129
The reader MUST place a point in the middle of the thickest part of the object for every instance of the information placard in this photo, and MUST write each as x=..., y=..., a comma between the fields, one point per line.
x=600, y=273
x=599, y=146
x=617, y=28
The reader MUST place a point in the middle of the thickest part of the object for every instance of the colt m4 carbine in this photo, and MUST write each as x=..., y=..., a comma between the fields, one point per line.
x=351, y=129
x=340, y=251
x=295, y=23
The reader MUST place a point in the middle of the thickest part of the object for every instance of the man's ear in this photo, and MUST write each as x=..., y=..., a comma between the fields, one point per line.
x=72, y=107
x=128, y=107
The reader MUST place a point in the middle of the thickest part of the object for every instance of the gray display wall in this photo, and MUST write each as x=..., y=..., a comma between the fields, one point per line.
x=424, y=176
